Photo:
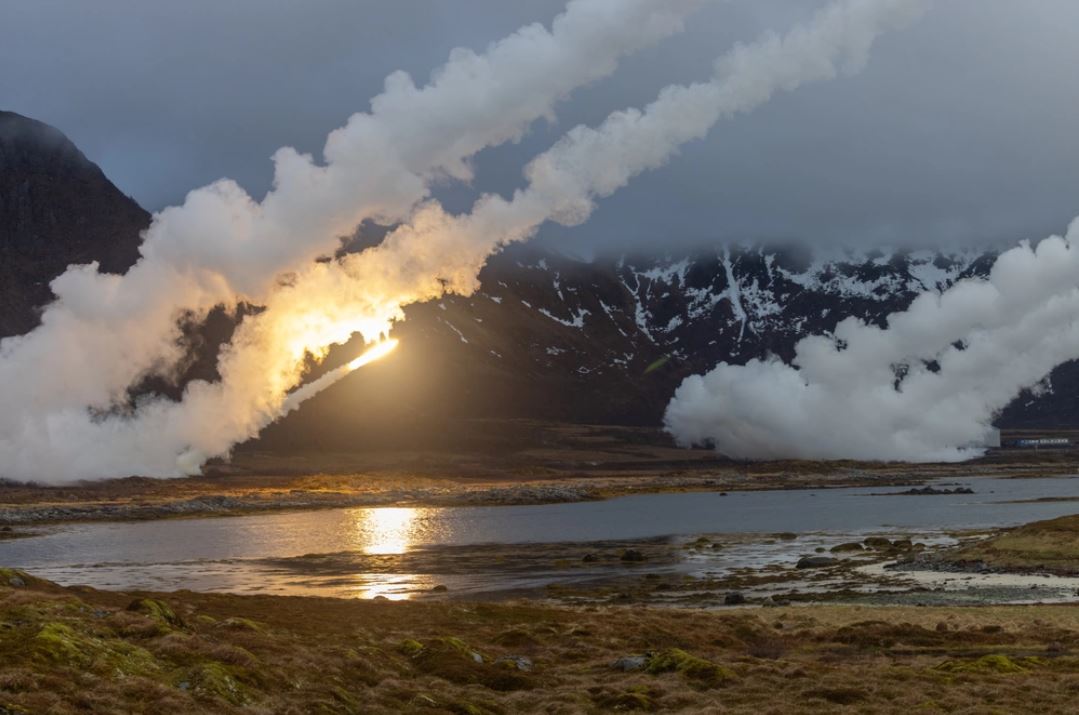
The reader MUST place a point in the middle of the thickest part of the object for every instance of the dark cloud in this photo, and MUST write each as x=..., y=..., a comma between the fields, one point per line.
x=961, y=127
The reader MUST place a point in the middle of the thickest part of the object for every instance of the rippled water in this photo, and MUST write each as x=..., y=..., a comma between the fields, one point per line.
x=244, y=554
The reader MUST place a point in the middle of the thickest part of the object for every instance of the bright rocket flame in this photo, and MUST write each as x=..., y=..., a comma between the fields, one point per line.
x=380, y=350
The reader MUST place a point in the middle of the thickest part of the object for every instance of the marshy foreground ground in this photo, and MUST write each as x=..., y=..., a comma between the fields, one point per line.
x=79, y=650
x=69, y=650
x=831, y=637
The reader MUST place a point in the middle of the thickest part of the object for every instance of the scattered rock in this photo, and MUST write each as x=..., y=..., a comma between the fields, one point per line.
x=786, y=536
x=13, y=577
x=520, y=662
x=877, y=542
x=734, y=599
x=632, y=555
x=630, y=663
x=440, y=588
x=934, y=491
x=848, y=546
x=815, y=562
x=590, y=558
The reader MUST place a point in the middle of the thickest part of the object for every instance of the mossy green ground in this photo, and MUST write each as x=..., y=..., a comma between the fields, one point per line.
x=1051, y=545
x=79, y=650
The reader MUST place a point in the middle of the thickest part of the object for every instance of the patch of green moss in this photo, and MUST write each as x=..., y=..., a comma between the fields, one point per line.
x=216, y=680
x=59, y=643
x=464, y=709
x=346, y=699
x=996, y=663
x=159, y=611
x=15, y=578
x=461, y=647
x=454, y=660
x=698, y=670
x=410, y=647
x=236, y=623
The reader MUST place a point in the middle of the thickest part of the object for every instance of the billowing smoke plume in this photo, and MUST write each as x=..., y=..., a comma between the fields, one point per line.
x=924, y=388
x=106, y=332
x=221, y=247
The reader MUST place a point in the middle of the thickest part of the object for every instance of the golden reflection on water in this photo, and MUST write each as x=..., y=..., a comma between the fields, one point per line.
x=393, y=588
x=387, y=530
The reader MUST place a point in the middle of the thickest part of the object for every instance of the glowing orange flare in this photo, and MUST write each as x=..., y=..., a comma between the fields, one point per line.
x=374, y=353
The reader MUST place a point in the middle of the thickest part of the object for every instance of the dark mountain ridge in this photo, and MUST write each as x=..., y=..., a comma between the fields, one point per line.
x=56, y=208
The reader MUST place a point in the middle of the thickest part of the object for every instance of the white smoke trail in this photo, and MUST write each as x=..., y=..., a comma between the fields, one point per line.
x=325, y=303
x=438, y=252
x=105, y=332
x=966, y=353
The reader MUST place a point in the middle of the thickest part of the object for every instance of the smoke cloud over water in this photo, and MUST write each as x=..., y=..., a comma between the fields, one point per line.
x=64, y=382
x=924, y=388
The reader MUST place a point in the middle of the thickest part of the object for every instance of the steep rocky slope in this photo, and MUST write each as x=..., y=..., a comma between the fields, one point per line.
x=56, y=208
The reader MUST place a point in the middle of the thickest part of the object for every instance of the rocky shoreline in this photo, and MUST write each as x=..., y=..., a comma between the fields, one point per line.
x=228, y=505
x=237, y=501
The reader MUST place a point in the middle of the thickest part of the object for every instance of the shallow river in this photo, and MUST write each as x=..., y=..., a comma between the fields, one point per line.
x=245, y=554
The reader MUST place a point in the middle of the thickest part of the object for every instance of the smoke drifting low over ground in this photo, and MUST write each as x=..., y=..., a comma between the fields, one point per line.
x=924, y=388
x=65, y=383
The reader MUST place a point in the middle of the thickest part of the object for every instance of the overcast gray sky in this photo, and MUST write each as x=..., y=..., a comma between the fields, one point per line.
x=962, y=127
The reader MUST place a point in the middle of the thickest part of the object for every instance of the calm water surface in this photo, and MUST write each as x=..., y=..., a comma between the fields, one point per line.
x=226, y=553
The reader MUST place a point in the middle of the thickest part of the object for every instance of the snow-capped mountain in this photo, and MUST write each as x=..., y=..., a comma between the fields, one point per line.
x=607, y=341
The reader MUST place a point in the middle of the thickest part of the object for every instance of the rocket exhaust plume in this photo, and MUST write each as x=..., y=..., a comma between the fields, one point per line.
x=65, y=383
x=192, y=458
x=379, y=351
x=300, y=395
